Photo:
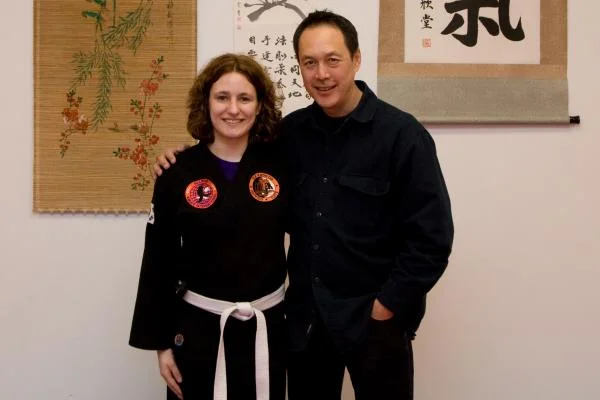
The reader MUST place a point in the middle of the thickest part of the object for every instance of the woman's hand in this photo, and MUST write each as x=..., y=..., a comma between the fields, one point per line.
x=169, y=371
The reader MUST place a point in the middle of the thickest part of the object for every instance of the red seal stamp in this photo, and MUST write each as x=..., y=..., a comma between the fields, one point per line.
x=201, y=193
x=263, y=187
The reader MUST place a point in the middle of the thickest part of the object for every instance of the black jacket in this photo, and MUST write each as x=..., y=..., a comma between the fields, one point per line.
x=370, y=219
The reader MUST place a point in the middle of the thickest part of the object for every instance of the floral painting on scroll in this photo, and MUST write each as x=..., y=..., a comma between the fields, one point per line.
x=111, y=80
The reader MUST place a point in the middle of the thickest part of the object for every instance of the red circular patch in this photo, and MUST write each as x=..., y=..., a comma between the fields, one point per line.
x=263, y=187
x=201, y=193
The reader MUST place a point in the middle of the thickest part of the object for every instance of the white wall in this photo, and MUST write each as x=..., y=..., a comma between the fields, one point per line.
x=515, y=316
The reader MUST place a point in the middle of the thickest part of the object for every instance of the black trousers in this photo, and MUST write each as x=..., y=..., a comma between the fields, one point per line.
x=196, y=357
x=380, y=368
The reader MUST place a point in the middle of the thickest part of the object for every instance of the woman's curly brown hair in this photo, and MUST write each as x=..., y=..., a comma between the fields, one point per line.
x=265, y=127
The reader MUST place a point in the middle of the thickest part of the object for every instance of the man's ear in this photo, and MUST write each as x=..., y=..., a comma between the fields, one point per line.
x=356, y=59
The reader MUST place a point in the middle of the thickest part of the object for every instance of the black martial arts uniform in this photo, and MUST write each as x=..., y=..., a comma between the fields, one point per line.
x=224, y=240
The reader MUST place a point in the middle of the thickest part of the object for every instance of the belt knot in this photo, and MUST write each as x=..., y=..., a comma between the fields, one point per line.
x=244, y=310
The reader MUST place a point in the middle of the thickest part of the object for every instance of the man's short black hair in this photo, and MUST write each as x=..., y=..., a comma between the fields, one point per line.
x=325, y=17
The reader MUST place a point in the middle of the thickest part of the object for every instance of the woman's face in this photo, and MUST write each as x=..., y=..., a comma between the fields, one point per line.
x=233, y=107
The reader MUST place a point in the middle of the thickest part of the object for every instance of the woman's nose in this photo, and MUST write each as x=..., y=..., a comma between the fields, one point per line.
x=234, y=107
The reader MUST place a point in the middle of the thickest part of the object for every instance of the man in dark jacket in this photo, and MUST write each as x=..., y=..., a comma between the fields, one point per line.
x=371, y=228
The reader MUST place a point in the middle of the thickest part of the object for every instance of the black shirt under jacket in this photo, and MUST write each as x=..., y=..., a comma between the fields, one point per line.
x=370, y=219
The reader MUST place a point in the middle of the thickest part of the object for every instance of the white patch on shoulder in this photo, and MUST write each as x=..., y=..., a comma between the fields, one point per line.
x=151, y=214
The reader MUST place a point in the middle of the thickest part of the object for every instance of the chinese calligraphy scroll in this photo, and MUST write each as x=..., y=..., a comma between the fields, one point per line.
x=264, y=30
x=475, y=61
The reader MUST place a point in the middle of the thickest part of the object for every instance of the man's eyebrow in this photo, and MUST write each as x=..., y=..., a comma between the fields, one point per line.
x=331, y=53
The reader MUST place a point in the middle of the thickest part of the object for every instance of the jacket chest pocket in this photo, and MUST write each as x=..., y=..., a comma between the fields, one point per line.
x=366, y=185
x=362, y=202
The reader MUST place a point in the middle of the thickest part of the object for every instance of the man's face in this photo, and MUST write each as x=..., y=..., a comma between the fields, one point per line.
x=328, y=69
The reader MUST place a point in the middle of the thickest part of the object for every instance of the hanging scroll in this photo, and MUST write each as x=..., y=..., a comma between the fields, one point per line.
x=111, y=81
x=475, y=61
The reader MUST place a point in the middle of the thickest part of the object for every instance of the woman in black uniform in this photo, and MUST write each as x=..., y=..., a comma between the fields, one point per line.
x=211, y=283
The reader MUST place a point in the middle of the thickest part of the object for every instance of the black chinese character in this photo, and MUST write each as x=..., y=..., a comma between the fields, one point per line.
x=252, y=39
x=267, y=5
x=473, y=6
x=266, y=40
x=282, y=40
x=279, y=84
x=425, y=4
x=281, y=69
x=295, y=69
x=426, y=20
x=266, y=56
x=280, y=55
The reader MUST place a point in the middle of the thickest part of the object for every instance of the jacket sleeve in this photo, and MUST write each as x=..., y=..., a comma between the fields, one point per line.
x=423, y=229
x=154, y=313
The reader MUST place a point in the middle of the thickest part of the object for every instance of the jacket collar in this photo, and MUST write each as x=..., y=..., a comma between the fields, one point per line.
x=364, y=111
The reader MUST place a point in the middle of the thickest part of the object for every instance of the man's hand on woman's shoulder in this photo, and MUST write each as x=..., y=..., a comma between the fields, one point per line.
x=165, y=159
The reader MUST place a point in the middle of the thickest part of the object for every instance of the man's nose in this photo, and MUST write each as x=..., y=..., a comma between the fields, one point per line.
x=322, y=71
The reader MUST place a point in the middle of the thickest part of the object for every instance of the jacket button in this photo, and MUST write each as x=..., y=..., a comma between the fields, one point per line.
x=315, y=246
x=317, y=280
x=324, y=179
x=319, y=214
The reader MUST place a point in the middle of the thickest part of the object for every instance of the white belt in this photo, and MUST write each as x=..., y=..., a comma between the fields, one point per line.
x=242, y=311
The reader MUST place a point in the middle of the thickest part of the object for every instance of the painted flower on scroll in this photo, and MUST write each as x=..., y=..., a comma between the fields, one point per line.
x=147, y=114
x=73, y=120
x=102, y=66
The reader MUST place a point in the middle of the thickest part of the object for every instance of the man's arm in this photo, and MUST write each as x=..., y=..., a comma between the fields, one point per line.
x=424, y=229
